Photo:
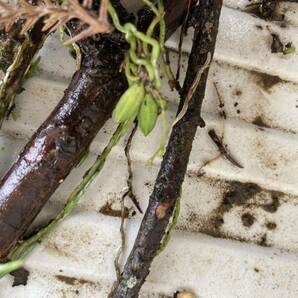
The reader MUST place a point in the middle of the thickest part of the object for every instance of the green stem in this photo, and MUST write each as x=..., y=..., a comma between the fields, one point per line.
x=131, y=32
x=162, y=25
x=10, y=267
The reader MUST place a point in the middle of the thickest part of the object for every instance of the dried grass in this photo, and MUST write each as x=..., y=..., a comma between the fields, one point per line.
x=54, y=15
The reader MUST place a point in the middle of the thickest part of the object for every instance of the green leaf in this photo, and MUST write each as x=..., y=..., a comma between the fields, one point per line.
x=129, y=103
x=148, y=115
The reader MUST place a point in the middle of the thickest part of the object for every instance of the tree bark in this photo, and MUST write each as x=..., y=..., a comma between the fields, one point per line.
x=205, y=18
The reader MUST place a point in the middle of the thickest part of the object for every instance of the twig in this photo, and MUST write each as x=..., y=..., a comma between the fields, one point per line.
x=122, y=233
x=132, y=196
x=222, y=115
x=131, y=193
x=173, y=168
x=219, y=141
x=221, y=148
x=193, y=89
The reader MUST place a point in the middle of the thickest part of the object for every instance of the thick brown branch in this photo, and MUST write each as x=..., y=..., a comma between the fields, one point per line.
x=174, y=164
x=63, y=138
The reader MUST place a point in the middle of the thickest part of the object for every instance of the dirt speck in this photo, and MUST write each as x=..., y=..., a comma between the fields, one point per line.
x=20, y=277
x=271, y=226
x=256, y=269
x=266, y=81
x=245, y=198
x=73, y=281
x=273, y=206
x=259, y=121
x=238, y=92
x=276, y=46
x=239, y=194
x=247, y=219
x=263, y=241
x=110, y=209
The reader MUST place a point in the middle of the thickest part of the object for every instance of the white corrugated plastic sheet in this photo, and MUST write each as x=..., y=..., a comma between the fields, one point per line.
x=237, y=234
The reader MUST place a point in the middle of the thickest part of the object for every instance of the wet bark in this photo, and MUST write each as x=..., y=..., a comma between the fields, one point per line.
x=205, y=18
x=62, y=139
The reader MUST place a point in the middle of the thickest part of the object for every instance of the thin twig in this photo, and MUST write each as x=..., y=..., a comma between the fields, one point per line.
x=193, y=88
x=221, y=148
x=131, y=193
x=132, y=196
x=122, y=233
x=219, y=141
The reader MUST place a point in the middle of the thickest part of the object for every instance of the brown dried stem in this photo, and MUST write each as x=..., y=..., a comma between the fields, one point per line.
x=55, y=15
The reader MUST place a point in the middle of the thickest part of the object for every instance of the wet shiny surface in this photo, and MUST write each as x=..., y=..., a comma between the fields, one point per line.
x=61, y=140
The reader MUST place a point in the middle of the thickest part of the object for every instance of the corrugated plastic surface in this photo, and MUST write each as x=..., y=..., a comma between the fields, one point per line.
x=237, y=235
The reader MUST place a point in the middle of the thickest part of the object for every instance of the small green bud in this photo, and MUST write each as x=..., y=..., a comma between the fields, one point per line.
x=148, y=114
x=129, y=103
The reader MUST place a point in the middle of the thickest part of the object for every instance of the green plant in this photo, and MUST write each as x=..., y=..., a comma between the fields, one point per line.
x=143, y=100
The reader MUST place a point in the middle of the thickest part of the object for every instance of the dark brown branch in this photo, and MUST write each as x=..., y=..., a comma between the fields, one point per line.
x=173, y=168
x=64, y=137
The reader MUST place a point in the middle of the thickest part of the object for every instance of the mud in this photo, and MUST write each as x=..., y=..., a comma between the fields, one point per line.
x=20, y=277
x=259, y=121
x=250, y=197
x=266, y=81
x=73, y=281
x=274, y=205
x=271, y=226
x=109, y=210
x=248, y=219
